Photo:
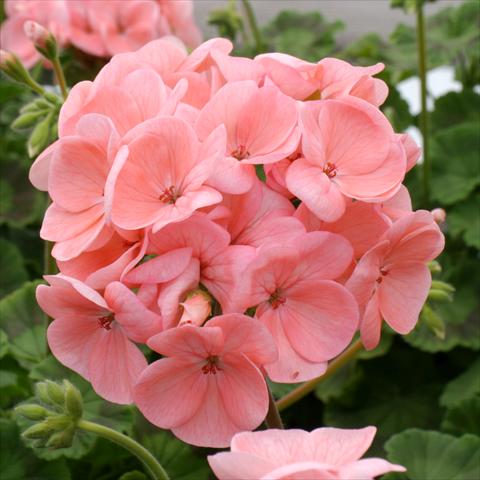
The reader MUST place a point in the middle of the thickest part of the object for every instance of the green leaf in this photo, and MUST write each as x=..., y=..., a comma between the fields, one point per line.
x=464, y=387
x=178, y=458
x=96, y=409
x=433, y=455
x=455, y=108
x=13, y=271
x=134, y=475
x=341, y=383
x=401, y=396
x=3, y=343
x=17, y=462
x=463, y=418
x=463, y=220
x=25, y=325
x=305, y=35
x=455, y=162
x=281, y=389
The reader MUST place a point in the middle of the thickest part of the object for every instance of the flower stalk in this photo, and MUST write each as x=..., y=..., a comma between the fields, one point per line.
x=304, y=389
x=252, y=22
x=422, y=72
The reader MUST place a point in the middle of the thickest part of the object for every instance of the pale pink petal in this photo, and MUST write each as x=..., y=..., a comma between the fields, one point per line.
x=312, y=186
x=170, y=391
x=371, y=323
x=235, y=465
x=368, y=468
x=40, y=169
x=402, y=293
x=115, y=365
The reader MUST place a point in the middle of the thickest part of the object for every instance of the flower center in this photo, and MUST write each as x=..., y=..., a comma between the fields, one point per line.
x=276, y=299
x=212, y=365
x=106, y=321
x=383, y=273
x=330, y=170
x=169, y=195
x=240, y=152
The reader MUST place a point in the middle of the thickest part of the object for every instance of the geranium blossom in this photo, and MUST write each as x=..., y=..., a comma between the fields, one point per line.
x=324, y=453
x=209, y=386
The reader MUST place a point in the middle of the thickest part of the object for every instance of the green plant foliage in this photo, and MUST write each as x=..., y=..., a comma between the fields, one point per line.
x=433, y=455
x=464, y=387
x=455, y=108
x=464, y=221
x=25, y=325
x=305, y=35
x=13, y=269
x=17, y=462
x=455, y=162
x=464, y=417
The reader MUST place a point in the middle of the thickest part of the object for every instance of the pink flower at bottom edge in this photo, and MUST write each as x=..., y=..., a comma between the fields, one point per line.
x=209, y=386
x=323, y=454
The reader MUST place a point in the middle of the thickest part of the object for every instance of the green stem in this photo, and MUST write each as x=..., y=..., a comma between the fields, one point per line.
x=273, y=418
x=154, y=468
x=57, y=68
x=422, y=72
x=252, y=22
x=304, y=389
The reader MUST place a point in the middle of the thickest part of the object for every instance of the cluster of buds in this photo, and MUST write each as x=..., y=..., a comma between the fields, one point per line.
x=55, y=416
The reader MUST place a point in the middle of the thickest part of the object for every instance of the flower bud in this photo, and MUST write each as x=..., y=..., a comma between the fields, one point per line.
x=32, y=411
x=55, y=392
x=56, y=423
x=42, y=393
x=434, y=267
x=43, y=40
x=73, y=400
x=439, y=285
x=39, y=138
x=37, y=431
x=439, y=215
x=439, y=295
x=11, y=65
x=26, y=120
x=196, y=308
x=62, y=439
x=37, y=34
x=433, y=321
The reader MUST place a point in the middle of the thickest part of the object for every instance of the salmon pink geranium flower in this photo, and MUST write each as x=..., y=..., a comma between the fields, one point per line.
x=391, y=281
x=94, y=334
x=209, y=386
x=323, y=454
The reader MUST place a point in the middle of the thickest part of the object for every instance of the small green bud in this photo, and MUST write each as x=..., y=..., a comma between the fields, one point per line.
x=439, y=295
x=42, y=393
x=434, y=266
x=43, y=40
x=39, y=137
x=57, y=423
x=73, y=400
x=54, y=100
x=56, y=393
x=32, y=411
x=63, y=439
x=446, y=287
x=39, y=430
x=433, y=321
x=27, y=120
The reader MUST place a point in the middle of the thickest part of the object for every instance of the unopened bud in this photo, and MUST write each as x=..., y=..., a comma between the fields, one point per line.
x=439, y=295
x=63, y=439
x=196, y=308
x=73, y=400
x=27, y=120
x=57, y=423
x=433, y=321
x=42, y=393
x=439, y=285
x=32, y=411
x=39, y=137
x=37, y=34
x=55, y=392
x=434, y=267
x=439, y=215
x=37, y=431
x=43, y=40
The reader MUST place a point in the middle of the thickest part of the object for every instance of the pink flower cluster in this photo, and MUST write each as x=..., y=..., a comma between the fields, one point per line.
x=324, y=454
x=160, y=223
x=98, y=27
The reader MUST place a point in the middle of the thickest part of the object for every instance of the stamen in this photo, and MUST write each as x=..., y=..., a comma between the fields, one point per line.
x=106, y=322
x=240, y=152
x=383, y=273
x=276, y=299
x=330, y=170
x=212, y=365
x=169, y=195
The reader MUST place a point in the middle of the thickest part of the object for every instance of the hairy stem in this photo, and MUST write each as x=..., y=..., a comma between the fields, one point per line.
x=151, y=464
x=273, y=419
x=422, y=72
x=57, y=68
x=252, y=22
x=304, y=389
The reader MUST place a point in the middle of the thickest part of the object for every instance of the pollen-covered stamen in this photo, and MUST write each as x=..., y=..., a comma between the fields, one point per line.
x=169, y=195
x=240, y=152
x=212, y=365
x=106, y=321
x=383, y=273
x=276, y=299
x=330, y=170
